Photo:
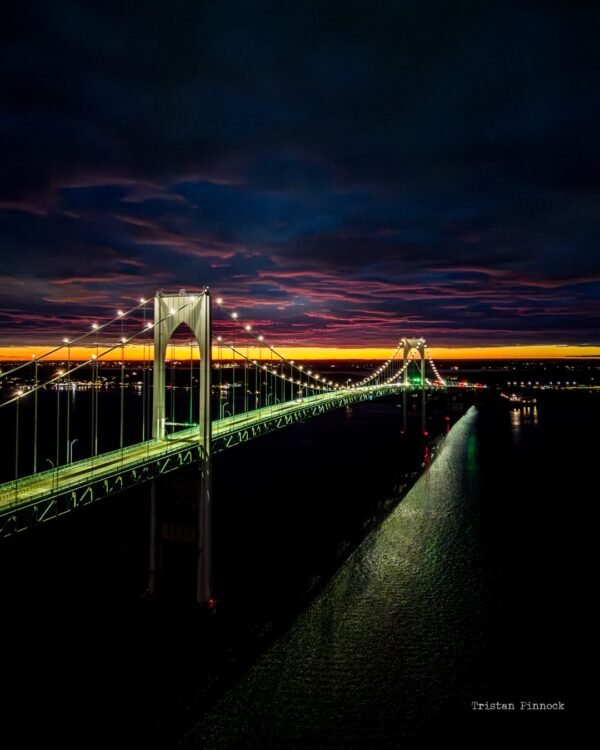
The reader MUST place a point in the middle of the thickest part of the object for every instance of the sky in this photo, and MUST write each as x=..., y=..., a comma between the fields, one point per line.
x=342, y=173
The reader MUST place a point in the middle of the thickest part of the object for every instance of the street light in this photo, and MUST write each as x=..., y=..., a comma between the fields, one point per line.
x=51, y=462
x=71, y=444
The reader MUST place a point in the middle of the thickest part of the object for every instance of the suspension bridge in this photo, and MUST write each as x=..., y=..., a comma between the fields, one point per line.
x=249, y=386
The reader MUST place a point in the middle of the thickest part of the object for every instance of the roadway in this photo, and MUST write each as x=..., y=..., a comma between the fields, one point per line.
x=27, y=490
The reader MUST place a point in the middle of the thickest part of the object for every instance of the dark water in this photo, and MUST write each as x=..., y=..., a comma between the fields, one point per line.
x=463, y=593
x=465, y=590
x=374, y=658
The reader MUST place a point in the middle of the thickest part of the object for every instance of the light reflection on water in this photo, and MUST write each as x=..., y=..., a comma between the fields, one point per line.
x=382, y=655
x=515, y=419
x=523, y=415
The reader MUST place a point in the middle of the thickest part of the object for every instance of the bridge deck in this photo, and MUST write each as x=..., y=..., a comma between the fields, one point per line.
x=54, y=492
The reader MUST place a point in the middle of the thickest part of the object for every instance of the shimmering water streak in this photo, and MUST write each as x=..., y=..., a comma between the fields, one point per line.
x=381, y=657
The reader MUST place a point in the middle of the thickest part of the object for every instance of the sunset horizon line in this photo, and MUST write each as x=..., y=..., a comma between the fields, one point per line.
x=182, y=352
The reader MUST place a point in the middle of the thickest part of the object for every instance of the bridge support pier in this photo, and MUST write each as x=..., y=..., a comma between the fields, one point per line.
x=176, y=534
x=204, y=594
x=153, y=543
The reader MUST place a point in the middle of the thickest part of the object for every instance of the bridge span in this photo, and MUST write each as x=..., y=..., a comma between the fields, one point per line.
x=40, y=497
x=268, y=391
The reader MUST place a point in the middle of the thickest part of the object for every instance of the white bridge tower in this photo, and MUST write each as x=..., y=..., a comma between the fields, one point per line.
x=192, y=310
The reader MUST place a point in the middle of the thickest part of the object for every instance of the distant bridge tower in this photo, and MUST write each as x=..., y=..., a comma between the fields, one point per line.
x=194, y=311
x=408, y=346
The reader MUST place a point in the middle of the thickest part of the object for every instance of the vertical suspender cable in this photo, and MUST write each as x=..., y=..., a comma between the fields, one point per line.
x=35, y=419
x=220, y=366
x=17, y=448
x=247, y=378
x=57, y=428
x=233, y=377
x=122, y=393
x=122, y=402
x=172, y=385
x=272, y=378
x=94, y=439
x=191, y=405
x=256, y=392
x=68, y=394
x=93, y=405
x=96, y=411
x=144, y=393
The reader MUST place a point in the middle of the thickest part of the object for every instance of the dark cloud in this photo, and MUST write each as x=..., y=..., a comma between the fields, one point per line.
x=354, y=171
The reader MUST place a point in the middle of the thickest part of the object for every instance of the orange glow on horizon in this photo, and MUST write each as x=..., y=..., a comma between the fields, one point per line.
x=138, y=352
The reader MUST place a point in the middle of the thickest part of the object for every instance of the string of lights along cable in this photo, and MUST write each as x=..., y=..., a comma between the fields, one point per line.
x=88, y=406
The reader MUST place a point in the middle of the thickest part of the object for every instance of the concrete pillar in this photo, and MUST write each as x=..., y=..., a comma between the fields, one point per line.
x=153, y=545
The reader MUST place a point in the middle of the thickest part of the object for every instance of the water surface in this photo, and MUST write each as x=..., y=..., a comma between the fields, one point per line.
x=383, y=653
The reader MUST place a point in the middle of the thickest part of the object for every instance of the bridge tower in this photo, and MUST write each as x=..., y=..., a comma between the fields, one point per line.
x=419, y=346
x=194, y=311
x=407, y=346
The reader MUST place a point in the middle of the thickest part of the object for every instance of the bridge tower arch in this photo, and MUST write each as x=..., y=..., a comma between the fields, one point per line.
x=170, y=312
x=407, y=346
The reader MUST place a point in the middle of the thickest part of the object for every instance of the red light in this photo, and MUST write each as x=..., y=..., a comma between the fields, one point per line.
x=426, y=434
x=212, y=603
